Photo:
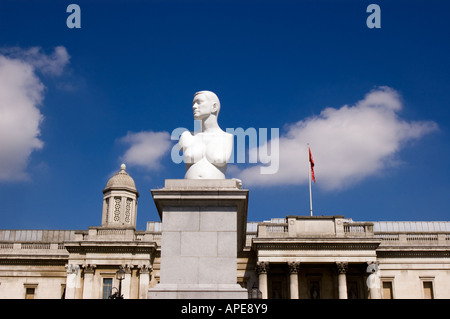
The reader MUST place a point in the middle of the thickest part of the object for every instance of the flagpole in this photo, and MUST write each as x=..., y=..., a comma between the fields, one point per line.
x=310, y=177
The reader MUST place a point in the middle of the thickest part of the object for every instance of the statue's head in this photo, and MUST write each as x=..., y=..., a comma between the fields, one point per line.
x=205, y=103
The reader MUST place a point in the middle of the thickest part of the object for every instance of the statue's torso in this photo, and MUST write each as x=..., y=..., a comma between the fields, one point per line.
x=206, y=154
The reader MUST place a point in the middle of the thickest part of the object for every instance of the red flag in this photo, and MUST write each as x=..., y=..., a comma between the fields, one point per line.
x=311, y=161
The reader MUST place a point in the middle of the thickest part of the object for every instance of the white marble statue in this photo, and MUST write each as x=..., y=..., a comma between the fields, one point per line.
x=206, y=152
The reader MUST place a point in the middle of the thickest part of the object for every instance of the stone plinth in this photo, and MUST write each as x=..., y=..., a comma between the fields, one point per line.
x=203, y=228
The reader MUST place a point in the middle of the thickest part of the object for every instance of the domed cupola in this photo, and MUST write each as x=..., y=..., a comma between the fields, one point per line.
x=121, y=180
x=120, y=201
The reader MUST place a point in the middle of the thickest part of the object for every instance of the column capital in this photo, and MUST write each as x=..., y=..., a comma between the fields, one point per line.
x=72, y=269
x=373, y=266
x=145, y=269
x=342, y=267
x=262, y=267
x=294, y=267
x=89, y=268
x=127, y=268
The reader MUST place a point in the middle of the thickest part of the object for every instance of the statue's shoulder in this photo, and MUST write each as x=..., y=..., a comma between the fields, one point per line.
x=228, y=134
x=186, y=139
x=223, y=133
x=186, y=133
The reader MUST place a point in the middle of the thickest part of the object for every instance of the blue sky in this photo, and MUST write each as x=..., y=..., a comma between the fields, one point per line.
x=372, y=103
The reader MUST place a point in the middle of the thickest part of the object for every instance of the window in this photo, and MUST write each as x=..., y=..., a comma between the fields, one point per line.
x=107, y=287
x=428, y=290
x=387, y=290
x=30, y=290
x=63, y=291
x=29, y=293
x=117, y=201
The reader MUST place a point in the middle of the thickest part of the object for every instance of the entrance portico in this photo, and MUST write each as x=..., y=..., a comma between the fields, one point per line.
x=294, y=280
x=314, y=257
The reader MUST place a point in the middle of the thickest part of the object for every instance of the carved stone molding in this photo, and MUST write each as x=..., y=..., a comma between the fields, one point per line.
x=413, y=254
x=330, y=246
x=34, y=262
x=262, y=267
x=342, y=267
x=294, y=267
x=111, y=248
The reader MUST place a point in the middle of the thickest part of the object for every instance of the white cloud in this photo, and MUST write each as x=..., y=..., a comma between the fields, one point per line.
x=52, y=64
x=21, y=92
x=146, y=149
x=348, y=144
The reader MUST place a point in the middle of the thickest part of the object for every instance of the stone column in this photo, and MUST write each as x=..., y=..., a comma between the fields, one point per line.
x=342, y=279
x=293, y=279
x=373, y=280
x=88, y=285
x=262, y=268
x=144, y=279
x=71, y=281
x=126, y=282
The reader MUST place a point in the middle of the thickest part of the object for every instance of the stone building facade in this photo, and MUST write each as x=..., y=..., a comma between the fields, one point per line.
x=323, y=257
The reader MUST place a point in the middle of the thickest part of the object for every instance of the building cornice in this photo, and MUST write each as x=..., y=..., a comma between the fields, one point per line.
x=414, y=252
x=315, y=244
x=131, y=247
x=34, y=260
